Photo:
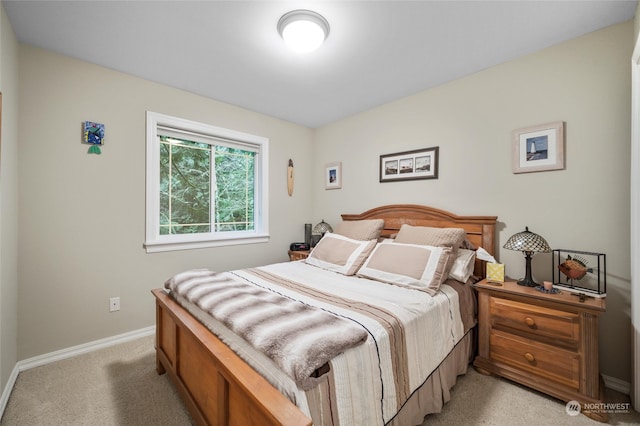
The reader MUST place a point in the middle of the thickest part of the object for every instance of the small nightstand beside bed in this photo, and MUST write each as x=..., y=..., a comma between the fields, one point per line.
x=546, y=341
x=298, y=254
x=400, y=341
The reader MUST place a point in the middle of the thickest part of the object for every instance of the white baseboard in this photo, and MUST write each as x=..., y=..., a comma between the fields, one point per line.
x=616, y=384
x=39, y=360
x=7, y=390
x=68, y=353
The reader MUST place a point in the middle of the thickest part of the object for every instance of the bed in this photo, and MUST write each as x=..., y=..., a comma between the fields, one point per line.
x=225, y=386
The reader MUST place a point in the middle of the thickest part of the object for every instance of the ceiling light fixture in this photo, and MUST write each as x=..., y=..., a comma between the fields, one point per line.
x=303, y=30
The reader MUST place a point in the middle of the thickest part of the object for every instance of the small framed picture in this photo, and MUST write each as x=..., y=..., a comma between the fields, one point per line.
x=409, y=165
x=538, y=148
x=93, y=134
x=333, y=176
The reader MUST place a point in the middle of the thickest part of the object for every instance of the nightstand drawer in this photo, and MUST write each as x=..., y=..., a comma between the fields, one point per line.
x=537, y=320
x=551, y=363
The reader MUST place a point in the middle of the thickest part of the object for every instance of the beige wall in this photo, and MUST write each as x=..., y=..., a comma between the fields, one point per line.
x=8, y=199
x=82, y=216
x=586, y=83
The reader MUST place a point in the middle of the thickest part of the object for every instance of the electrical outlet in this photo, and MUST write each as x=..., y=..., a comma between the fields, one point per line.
x=114, y=304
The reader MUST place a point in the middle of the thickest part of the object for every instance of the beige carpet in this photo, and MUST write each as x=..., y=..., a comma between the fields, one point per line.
x=112, y=386
x=119, y=386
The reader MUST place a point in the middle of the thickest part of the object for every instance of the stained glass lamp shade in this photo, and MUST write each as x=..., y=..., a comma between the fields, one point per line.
x=322, y=228
x=528, y=243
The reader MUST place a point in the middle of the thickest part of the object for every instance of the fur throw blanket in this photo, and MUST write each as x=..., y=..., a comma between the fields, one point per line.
x=299, y=338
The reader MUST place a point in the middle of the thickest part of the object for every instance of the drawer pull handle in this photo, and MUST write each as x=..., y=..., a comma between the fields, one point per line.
x=529, y=357
x=529, y=321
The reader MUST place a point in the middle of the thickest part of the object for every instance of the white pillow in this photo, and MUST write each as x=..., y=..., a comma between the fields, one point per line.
x=438, y=237
x=411, y=265
x=340, y=254
x=463, y=265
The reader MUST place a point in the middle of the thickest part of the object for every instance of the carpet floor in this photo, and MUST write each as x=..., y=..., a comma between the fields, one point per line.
x=119, y=386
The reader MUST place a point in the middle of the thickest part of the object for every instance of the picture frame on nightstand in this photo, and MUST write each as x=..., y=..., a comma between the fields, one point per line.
x=580, y=272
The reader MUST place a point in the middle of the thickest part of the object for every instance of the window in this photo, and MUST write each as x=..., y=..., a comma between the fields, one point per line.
x=206, y=186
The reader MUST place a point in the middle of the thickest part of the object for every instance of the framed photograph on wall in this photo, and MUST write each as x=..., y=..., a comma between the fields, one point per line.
x=409, y=165
x=333, y=176
x=538, y=148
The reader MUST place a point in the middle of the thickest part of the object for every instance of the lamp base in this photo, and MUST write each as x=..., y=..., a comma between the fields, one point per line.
x=528, y=282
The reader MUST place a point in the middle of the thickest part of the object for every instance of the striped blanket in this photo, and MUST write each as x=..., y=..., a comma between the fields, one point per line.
x=299, y=338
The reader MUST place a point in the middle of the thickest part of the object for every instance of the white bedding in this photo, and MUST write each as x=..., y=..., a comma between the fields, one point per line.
x=366, y=389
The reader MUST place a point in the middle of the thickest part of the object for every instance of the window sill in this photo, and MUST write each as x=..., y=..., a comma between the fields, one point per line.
x=163, y=246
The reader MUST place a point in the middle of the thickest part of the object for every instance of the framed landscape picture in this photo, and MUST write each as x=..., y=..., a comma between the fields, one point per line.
x=538, y=148
x=409, y=165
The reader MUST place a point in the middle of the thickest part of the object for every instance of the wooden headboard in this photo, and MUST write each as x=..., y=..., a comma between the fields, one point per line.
x=480, y=229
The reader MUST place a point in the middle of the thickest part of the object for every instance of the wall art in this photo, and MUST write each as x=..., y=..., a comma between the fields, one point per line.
x=333, y=176
x=538, y=148
x=94, y=136
x=409, y=165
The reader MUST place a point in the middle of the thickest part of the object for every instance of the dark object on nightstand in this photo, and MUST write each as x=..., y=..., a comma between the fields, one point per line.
x=299, y=247
x=307, y=233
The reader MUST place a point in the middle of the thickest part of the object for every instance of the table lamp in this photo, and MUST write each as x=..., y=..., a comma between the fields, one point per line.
x=322, y=228
x=528, y=243
x=318, y=232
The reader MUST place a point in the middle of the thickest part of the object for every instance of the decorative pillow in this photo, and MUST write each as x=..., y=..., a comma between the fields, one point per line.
x=463, y=265
x=439, y=237
x=363, y=230
x=340, y=254
x=417, y=266
x=427, y=235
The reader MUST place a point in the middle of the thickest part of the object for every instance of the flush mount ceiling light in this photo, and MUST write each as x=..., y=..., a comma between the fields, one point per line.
x=303, y=30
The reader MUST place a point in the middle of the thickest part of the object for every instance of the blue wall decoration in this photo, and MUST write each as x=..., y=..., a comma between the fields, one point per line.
x=94, y=136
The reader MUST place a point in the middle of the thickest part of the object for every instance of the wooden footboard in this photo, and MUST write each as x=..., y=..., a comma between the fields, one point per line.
x=217, y=386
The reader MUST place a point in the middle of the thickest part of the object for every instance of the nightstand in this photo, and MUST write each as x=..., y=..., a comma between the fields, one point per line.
x=548, y=342
x=298, y=254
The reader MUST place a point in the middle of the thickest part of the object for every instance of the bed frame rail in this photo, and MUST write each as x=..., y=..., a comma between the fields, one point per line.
x=217, y=386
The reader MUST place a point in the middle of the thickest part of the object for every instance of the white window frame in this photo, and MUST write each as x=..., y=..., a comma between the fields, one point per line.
x=154, y=242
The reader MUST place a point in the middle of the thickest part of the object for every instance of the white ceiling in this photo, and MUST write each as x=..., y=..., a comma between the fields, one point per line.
x=376, y=52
